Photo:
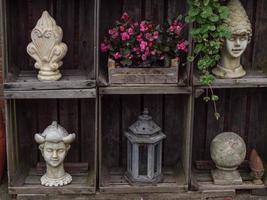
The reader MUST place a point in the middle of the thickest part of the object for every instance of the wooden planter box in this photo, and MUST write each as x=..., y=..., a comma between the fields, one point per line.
x=141, y=75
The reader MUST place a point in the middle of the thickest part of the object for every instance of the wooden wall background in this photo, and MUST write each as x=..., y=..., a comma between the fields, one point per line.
x=120, y=111
x=242, y=110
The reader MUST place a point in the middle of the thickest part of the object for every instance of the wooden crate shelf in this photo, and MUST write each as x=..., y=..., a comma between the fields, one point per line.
x=71, y=79
x=112, y=142
x=204, y=182
x=26, y=165
x=251, y=79
x=82, y=183
x=115, y=182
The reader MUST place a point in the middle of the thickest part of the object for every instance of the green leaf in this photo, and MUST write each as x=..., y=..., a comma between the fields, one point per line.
x=217, y=115
x=214, y=98
x=126, y=62
x=206, y=2
x=206, y=98
x=190, y=58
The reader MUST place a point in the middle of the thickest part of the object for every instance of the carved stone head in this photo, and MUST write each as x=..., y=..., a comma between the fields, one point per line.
x=239, y=25
x=54, y=145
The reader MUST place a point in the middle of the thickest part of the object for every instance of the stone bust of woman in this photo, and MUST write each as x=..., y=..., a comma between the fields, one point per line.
x=54, y=146
x=239, y=25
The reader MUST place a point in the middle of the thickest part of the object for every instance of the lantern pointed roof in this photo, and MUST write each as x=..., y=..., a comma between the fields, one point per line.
x=144, y=125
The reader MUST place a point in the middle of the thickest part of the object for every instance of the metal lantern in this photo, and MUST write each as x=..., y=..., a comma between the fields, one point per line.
x=144, y=150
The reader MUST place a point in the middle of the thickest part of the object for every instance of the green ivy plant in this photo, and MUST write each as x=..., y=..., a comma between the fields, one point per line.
x=208, y=33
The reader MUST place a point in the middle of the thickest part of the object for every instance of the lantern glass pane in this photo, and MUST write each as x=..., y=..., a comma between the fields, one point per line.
x=143, y=159
x=156, y=152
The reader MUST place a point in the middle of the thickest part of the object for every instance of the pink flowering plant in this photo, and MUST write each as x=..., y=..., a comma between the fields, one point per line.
x=144, y=44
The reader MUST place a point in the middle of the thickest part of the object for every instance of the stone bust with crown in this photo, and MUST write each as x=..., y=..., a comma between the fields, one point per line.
x=239, y=25
x=54, y=144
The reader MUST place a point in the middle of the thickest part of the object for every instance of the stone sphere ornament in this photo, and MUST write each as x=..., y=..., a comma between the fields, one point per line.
x=47, y=48
x=240, y=27
x=228, y=151
x=54, y=146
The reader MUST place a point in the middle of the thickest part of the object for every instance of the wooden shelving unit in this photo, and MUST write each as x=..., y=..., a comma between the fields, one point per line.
x=84, y=102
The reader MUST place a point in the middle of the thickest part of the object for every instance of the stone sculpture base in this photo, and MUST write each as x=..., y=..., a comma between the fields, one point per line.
x=49, y=75
x=222, y=72
x=50, y=182
x=224, y=177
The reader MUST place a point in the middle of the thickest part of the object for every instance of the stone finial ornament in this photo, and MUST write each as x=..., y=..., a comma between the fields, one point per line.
x=228, y=151
x=54, y=146
x=256, y=166
x=239, y=25
x=46, y=48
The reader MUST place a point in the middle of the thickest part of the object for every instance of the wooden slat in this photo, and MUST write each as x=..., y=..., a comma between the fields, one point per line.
x=68, y=118
x=145, y=90
x=130, y=110
x=252, y=79
x=172, y=183
x=27, y=80
x=86, y=37
x=51, y=94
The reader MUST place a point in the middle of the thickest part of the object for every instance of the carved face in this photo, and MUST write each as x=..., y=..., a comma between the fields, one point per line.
x=54, y=153
x=237, y=44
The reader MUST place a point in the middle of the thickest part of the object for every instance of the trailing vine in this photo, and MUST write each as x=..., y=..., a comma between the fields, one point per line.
x=208, y=34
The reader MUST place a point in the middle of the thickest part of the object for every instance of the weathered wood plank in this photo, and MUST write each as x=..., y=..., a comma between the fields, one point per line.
x=27, y=80
x=87, y=130
x=252, y=79
x=86, y=37
x=153, y=89
x=51, y=94
x=111, y=131
x=69, y=119
x=130, y=110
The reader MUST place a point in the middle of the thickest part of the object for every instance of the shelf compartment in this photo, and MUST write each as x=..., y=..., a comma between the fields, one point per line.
x=251, y=79
x=117, y=113
x=158, y=12
x=26, y=165
x=77, y=20
x=241, y=113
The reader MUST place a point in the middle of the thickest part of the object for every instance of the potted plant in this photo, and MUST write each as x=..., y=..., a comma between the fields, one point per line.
x=144, y=52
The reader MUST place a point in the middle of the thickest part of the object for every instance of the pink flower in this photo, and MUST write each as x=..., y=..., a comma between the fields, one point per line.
x=114, y=33
x=153, y=52
x=117, y=56
x=125, y=16
x=171, y=29
x=143, y=45
x=131, y=31
x=143, y=26
x=162, y=57
x=104, y=47
x=144, y=57
x=149, y=37
x=156, y=35
x=178, y=29
x=182, y=46
x=122, y=28
x=139, y=37
x=125, y=36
